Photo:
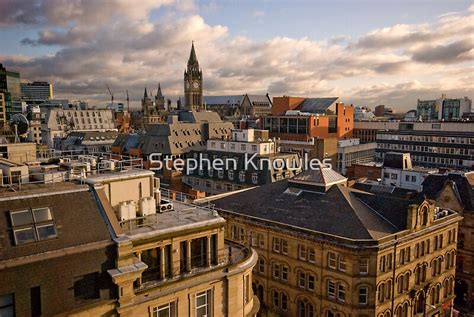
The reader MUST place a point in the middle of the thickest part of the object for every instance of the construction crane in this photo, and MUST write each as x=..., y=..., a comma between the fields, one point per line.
x=128, y=102
x=111, y=97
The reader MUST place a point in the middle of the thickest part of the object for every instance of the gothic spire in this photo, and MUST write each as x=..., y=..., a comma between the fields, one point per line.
x=145, y=95
x=192, y=56
x=158, y=93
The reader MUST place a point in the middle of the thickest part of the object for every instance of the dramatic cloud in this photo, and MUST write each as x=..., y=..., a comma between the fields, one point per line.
x=121, y=43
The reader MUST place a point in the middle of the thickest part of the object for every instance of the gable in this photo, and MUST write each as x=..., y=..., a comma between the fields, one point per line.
x=448, y=198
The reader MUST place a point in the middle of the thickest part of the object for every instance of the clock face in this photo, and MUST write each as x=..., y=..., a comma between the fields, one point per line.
x=196, y=84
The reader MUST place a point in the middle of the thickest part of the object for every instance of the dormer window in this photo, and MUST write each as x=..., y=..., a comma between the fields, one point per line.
x=32, y=225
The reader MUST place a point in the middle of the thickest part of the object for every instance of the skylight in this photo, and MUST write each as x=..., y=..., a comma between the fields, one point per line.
x=32, y=225
x=293, y=191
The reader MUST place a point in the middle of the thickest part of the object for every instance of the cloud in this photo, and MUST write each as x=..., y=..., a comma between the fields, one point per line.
x=455, y=52
x=120, y=43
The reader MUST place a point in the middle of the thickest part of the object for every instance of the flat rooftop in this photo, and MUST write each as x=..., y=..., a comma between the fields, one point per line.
x=39, y=189
x=117, y=175
x=183, y=216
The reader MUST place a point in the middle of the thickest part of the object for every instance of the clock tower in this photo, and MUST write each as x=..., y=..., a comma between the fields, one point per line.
x=193, y=83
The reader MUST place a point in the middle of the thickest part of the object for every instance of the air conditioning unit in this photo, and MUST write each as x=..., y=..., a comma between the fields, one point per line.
x=147, y=206
x=127, y=210
x=107, y=165
x=165, y=206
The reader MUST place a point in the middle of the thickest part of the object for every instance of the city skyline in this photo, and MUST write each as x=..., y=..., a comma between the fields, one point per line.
x=405, y=52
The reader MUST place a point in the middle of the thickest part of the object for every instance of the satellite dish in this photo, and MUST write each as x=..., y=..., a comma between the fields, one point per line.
x=20, y=124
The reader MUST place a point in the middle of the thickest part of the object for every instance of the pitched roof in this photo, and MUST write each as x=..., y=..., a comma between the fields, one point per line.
x=321, y=176
x=223, y=100
x=339, y=211
x=317, y=105
x=75, y=214
x=261, y=99
x=434, y=183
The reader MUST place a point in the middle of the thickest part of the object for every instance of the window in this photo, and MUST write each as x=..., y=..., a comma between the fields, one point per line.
x=331, y=289
x=32, y=225
x=302, y=279
x=311, y=282
x=261, y=265
x=311, y=255
x=242, y=176
x=341, y=292
x=284, y=246
x=276, y=245
x=7, y=305
x=35, y=301
x=87, y=287
x=302, y=255
x=255, y=178
x=280, y=300
x=284, y=273
x=280, y=246
x=364, y=266
x=382, y=264
x=203, y=304
x=305, y=309
x=342, y=265
x=332, y=260
x=167, y=310
x=276, y=270
x=363, y=295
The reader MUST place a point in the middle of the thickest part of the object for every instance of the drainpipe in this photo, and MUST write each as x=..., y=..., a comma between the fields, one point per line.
x=394, y=270
x=321, y=280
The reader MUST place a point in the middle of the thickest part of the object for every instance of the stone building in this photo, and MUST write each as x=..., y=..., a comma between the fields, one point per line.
x=329, y=250
x=57, y=123
x=250, y=159
x=153, y=112
x=120, y=246
x=172, y=257
x=55, y=253
x=456, y=191
x=193, y=84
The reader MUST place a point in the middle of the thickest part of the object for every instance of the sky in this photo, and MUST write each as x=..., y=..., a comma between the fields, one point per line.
x=367, y=52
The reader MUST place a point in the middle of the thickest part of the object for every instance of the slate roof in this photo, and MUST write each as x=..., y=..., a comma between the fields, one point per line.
x=434, y=183
x=317, y=105
x=341, y=211
x=75, y=213
x=260, y=99
x=199, y=116
x=223, y=100
x=324, y=176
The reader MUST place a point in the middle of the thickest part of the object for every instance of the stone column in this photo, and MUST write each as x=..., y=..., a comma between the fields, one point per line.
x=162, y=262
x=188, y=245
x=208, y=254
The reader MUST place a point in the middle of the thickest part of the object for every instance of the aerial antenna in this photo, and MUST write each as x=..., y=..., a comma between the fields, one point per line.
x=128, y=102
x=111, y=97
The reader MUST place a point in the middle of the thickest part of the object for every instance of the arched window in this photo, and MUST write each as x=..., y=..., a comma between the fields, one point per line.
x=329, y=313
x=406, y=281
x=420, y=302
x=400, y=284
x=381, y=292
x=424, y=216
x=389, y=289
x=305, y=309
